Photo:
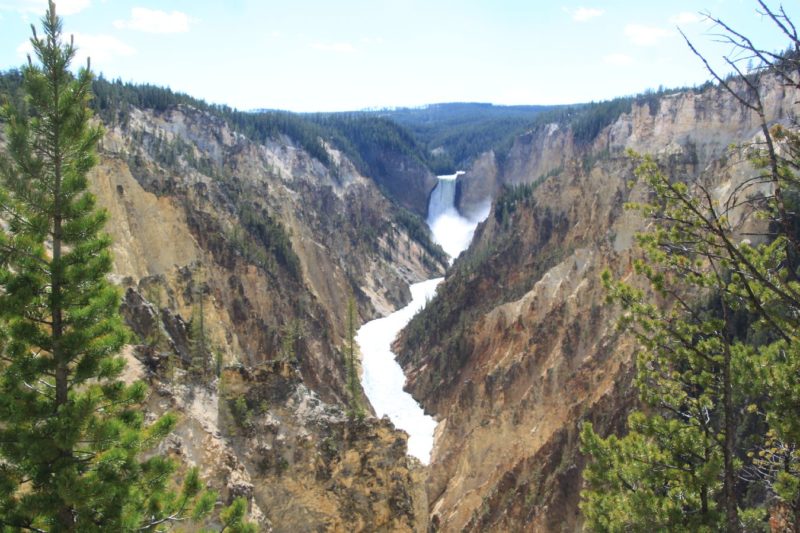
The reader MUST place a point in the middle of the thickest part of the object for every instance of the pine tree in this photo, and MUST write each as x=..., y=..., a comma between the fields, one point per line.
x=675, y=468
x=351, y=351
x=200, y=352
x=717, y=447
x=721, y=357
x=233, y=518
x=71, y=433
x=157, y=340
x=291, y=335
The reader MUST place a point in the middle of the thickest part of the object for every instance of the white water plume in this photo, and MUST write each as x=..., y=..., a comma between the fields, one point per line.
x=452, y=231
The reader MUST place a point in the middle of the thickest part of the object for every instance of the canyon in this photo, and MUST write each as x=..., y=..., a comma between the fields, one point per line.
x=383, y=379
x=258, y=244
x=512, y=354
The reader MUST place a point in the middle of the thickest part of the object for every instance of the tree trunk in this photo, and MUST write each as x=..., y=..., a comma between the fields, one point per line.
x=66, y=518
x=729, y=480
x=731, y=509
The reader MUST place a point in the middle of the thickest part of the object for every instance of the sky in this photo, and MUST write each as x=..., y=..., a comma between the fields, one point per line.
x=324, y=55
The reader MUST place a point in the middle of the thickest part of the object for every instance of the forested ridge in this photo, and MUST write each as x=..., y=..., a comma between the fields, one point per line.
x=441, y=137
x=455, y=133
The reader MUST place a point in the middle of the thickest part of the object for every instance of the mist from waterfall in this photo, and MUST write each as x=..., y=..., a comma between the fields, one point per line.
x=452, y=231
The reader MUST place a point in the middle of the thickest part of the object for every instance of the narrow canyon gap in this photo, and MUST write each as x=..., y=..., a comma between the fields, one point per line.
x=382, y=376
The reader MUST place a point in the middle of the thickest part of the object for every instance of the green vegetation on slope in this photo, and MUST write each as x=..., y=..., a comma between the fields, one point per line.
x=454, y=134
x=367, y=140
x=114, y=100
x=587, y=120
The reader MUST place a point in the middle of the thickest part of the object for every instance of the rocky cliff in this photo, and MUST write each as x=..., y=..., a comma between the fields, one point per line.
x=518, y=347
x=267, y=235
x=237, y=259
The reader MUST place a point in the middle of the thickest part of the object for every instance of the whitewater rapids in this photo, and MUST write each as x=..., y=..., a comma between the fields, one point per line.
x=382, y=377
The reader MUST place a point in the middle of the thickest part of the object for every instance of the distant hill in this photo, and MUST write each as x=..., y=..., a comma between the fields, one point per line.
x=455, y=133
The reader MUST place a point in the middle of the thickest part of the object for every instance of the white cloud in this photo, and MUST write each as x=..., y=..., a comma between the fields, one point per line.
x=101, y=48
x=372, y=40
x=582, y=14
x=63, y=7
x=618, y=60
x=686, y=17
x=155, y=21
x=645, y=35
x=340, y=48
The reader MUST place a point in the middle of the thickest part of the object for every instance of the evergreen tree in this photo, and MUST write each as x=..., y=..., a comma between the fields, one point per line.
x=351, y=351
x=71, y=433
x=200, y=351
x=157, y=340
x=722, y=356
x=716, y=448
x=233, y=518
x=291, y=335
x=675, y=469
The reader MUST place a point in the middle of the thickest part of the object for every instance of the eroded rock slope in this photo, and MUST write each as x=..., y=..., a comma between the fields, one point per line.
x=237, y=259
x=518, y=347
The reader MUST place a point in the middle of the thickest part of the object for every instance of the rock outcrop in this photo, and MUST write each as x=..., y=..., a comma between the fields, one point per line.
x=302, y=463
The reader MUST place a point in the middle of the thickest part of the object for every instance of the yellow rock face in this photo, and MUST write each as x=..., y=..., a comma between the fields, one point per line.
x=197, y=212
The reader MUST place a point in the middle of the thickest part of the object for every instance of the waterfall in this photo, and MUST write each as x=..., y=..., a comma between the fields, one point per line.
x=451, y=231
x=443, y=197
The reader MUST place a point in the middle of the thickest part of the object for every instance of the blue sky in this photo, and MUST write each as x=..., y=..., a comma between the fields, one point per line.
x=323, y=55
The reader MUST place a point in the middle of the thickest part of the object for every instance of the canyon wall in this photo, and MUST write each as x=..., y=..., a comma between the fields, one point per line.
x=263, y=245
x=519, y=347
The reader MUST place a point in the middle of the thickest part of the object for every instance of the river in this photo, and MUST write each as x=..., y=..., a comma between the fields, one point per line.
x=382, y=377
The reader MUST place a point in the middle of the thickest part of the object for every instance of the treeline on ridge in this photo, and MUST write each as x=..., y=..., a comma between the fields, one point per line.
x=441, y=137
